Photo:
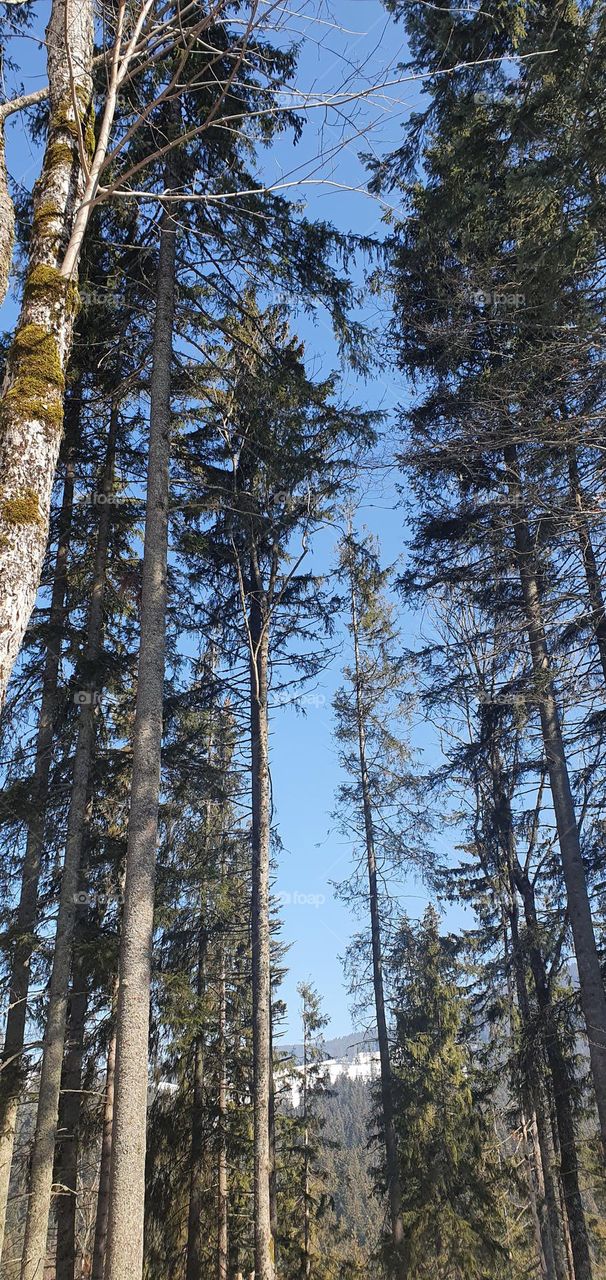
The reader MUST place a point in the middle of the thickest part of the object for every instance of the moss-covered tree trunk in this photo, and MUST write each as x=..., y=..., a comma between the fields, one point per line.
x=31, y=402
x=11, y=1075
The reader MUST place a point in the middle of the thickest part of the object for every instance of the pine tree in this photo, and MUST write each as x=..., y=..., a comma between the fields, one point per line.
x=454, y=1189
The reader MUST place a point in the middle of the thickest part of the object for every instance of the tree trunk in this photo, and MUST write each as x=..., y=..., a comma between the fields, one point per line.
x=11, y=1075
x=260, y=937
x=125, y=1232
x=70, y=1107
x=536, y=1189
x=593, y=998
x=562, y=1086
x=41, y=1178
x=196, y=1233
x=392, y=1170
x=273, y=1155
x=222, y=1184
x=306, y=1268
x=534, y=1101
x=592, y=575
x=31, y=405
x=99, y=1247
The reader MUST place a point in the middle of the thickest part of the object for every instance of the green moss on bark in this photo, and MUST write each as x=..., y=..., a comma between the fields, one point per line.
x=57, y=155
x=22, y=509
x=37, y=384
x=34, y=354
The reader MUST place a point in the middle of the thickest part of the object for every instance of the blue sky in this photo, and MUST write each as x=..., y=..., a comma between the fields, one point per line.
x=354, y=45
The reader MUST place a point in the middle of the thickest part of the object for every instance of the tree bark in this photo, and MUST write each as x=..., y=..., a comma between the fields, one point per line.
x=196, y=1235
x=593, y=998
x=41, y=1177
x=394, y=1190
x=125, y=1231
x=31, y=404
x=222, y=1183
x=260, y=936
x=562, y=1086
x=534, y=1100
x=100, y=1243
x=11, y=1074
x=70, y=1107
x=590, y=565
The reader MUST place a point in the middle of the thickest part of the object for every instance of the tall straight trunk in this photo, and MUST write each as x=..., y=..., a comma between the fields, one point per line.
x=273, y=1144
x=552, y=1233
x=394, y=1190
x=101, y=1220
x=562, y=1085
x=41, y=1176
x=196, y=1224
x=70, y=1108
x=534, y=1099
x=222, y=1182
x=306, y=1267
x=260, y=937
x=31, y=401
x=593, y=997
x=11, y=1075
x=590, y=564
x=536, y=1191
x=127, y=1197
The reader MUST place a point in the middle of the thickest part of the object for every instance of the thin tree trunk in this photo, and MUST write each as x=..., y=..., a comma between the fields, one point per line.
x=31, y=405
x=562, y=1086
x=536, y=1190
x=11, y=1075
x=127, y=1197
x=394, y=1189
x=196, y=1227
x=99, y=1247
x=70, y=1107
x=273, y=1155
x=260, y=936
x=306, y=1269
x=592, y=575
x=222, y=1184
x=593, y=997
x=41, y=1177
x=534, y=1102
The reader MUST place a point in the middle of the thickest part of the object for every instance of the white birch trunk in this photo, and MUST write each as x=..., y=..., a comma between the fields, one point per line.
x=31, y=402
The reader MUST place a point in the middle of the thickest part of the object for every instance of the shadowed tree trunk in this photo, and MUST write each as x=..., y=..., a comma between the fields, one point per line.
x=100, y=1242
x=196, y=1227
x=41, y=1177
x=534, y=1099
x=222, y=1183
x=562, y=1085
x=127, y=1194
x=70, y=1107
x=12, y=1066
x=593, y=998
x=592, y=575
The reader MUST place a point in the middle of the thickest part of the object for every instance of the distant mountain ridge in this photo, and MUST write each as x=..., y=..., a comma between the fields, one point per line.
x=342, y=1048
